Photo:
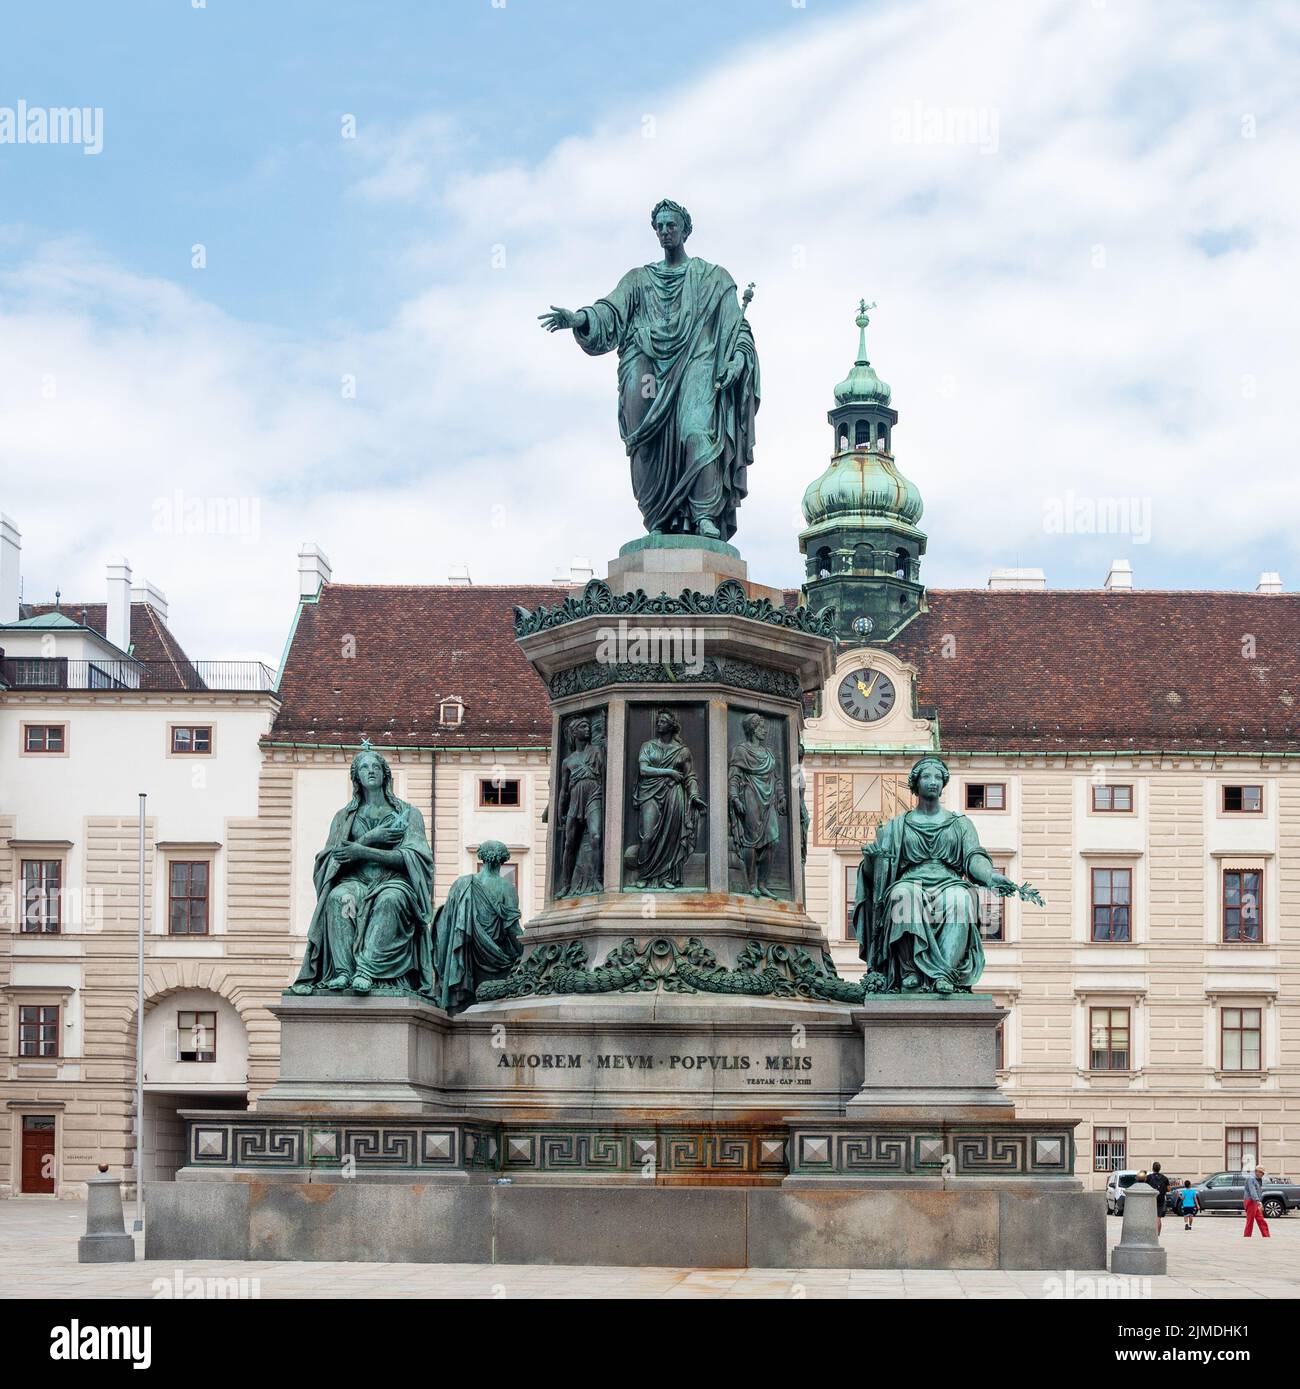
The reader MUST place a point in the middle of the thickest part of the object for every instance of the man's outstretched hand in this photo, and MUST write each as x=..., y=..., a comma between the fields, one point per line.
x=558, y=318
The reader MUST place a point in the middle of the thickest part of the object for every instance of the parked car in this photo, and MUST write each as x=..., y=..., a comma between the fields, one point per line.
x=1116, y=1185
x=1119, y=1182
x=1226, y=1191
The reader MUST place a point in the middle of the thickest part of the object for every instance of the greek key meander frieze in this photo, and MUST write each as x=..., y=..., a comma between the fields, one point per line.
x=599, y=600
x=966, y=1154
x=503, y=1148
x=761, y=970
x=745, y=675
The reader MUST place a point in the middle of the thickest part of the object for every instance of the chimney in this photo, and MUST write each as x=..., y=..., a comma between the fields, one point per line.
x=1120, y=575
x=151, y=594
x=1270, y=581
x=459, y=574
x=579, y=571
x=1006, y=579
x=117, y=621
x=11, y=548
x=313, y=570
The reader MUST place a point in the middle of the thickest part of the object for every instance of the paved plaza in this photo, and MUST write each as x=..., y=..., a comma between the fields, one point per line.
x=38, y=1258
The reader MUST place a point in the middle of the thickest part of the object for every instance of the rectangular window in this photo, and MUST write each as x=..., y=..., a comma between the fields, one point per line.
x=1241, y=1034
x=1112, y=896
x=38, y=1029
x=999, y=1047
x=43, y=737
x=986, y=795
x=1109, y=1041
x=192, y=738
x=1109, y=1150
x=1240, y=1149
x=42, y=895
x=1243, y=800
x=196, y=1036
x=510, y=872
x=187, y=898
x=1243, y=892
x=497, y=791
x=850, y=894
x=1112, y=799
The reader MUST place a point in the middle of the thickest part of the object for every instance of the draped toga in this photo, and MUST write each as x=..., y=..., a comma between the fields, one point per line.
x=676, y=327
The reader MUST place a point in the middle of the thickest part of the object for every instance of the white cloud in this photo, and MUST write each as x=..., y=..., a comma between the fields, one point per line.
x=1021, y=369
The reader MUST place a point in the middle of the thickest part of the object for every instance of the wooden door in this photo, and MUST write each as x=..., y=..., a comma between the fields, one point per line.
x=38, y=1154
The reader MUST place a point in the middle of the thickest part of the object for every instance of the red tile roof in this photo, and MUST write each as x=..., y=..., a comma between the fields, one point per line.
x=1092, y=669
x=376, y=661
x=1049, y=670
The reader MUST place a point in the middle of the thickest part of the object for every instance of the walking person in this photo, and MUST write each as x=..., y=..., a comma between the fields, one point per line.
x=1157, y=1179
x=1189, y=1202
x=1254, y=1197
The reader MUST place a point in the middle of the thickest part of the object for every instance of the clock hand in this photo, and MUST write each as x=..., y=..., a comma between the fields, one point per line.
x=866, y=690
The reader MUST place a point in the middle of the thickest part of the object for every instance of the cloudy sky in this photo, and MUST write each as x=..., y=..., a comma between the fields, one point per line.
x=294, y=297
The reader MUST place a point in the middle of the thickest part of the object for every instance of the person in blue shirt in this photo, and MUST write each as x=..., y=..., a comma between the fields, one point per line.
x=1189, y=1203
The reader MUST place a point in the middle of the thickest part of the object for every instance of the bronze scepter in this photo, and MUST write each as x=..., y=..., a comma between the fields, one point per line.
x=744, y=304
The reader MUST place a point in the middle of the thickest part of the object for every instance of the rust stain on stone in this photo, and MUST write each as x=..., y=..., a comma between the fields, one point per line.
x=317, y=1193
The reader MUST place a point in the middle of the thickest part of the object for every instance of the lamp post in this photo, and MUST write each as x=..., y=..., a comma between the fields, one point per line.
x=139, y=1045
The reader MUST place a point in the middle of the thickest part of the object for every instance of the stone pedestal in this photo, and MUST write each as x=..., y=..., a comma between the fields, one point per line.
x=674, y=1072
x=672, y=564
x=106, y=1240
x=349, y=1053
x=929, y=1052
x=1138, y=1251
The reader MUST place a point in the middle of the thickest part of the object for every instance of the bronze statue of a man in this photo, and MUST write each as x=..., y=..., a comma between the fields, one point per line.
x=687, y=381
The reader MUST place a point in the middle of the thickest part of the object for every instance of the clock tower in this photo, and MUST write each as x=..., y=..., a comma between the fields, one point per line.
x=862, y=548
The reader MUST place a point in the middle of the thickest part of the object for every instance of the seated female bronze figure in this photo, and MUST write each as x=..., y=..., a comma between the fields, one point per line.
x=374, y=893
x=916, y=916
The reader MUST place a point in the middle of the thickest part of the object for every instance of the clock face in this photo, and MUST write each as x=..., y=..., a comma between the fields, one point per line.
x=866, y=695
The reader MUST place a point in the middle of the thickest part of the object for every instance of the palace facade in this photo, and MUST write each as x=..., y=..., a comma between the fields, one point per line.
x=1134, y=754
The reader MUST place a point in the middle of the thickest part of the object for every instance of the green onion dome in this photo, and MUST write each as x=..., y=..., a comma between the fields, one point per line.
x=861, y=483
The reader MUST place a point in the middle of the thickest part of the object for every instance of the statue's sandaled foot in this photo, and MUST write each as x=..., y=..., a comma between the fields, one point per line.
x=708, y=530
x=762, y=890
x=361, y=984
x=911, y=981
x=301, y=988
x=943, y=986
x=340, y=981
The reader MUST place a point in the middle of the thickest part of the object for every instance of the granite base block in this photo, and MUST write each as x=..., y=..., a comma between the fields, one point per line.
x=968, y=1225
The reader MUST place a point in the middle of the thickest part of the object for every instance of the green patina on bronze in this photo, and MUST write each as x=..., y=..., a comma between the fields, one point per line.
x=745, y=675
x=687, y=380
x=667, y=806
x=916, y=913
x=762, y=970
x=729, y=599
x=580, y=803
x=756, y=804
x=374, y=883
x=476, y=931
x=659, y=540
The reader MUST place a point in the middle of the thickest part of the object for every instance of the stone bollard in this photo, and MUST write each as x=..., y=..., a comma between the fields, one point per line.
x=1138, y=1250
x=105, y=1240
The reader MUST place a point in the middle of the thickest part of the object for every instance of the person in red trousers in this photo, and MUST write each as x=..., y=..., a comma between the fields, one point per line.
x=1254, y=1210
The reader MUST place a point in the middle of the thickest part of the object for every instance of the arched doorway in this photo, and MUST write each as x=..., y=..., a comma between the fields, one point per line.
x=195, y=1057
